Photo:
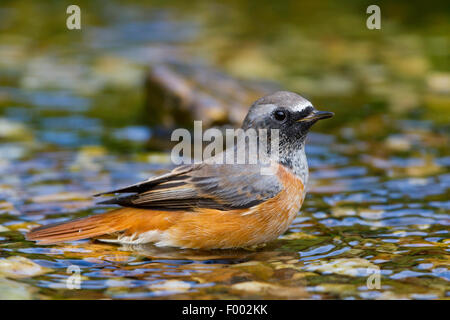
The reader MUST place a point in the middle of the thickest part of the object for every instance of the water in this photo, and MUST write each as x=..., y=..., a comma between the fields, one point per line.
x=72, y=124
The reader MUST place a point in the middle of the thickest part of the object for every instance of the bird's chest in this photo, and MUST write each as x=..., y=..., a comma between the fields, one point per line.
x=210, y=228
x=278, y=213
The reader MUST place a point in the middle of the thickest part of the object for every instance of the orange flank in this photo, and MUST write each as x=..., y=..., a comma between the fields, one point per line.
x=264, y=222
x=201, y=228
x=120, y=220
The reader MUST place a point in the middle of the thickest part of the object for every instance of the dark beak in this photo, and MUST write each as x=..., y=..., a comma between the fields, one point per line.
x=316, y=115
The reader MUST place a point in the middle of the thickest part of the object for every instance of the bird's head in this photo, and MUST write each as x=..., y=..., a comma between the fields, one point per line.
x=286, y=111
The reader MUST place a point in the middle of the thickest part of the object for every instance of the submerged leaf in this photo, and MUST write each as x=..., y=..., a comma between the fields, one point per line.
x=20, y=267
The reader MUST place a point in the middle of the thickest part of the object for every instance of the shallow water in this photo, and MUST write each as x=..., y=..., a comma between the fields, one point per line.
x=72, y=124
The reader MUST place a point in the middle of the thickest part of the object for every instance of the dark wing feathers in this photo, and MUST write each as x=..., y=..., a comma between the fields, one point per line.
x=223, y=187
x=142, y=186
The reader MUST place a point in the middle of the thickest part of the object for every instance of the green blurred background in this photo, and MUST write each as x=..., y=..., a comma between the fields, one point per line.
x=74, y=121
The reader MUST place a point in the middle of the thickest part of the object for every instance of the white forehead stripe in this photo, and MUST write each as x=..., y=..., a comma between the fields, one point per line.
x=302, y=105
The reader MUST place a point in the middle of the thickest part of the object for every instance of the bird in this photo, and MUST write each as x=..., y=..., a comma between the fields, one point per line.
x=210, y=205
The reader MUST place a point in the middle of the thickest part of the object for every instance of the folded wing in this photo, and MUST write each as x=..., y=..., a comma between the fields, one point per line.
x=215, y=186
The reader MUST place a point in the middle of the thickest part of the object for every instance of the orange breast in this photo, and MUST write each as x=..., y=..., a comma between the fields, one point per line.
x=211, y=228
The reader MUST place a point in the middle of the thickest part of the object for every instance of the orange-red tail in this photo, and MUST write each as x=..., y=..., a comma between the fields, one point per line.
x=125, y=219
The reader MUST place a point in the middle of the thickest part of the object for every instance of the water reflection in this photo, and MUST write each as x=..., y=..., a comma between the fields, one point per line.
x=71, y=125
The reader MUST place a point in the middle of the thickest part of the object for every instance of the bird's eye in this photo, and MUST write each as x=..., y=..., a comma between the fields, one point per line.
x=280, y=115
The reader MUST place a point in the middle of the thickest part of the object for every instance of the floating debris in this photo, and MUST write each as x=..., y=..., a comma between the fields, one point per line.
x=17, y=267
x=348, y=267
x=262, y=289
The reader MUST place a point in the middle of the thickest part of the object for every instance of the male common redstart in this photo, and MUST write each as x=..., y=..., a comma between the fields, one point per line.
x=210, y=205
